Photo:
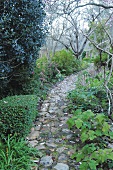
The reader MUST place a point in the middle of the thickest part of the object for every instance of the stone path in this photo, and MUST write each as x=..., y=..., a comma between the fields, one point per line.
x=50, y=133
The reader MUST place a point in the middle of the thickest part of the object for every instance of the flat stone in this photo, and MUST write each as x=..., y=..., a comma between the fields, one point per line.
x=53, y=145
x=53, y=129
x=43, y=113
x=66, y=130
x=37, y=128
x=36, y=161
x=51, y=140
x=46, y=161
x=52, y=109
x=37, y=123
x=41, y=120
x=34, y=135
x=62, y=158
x=40, y=147
x=52, y=105
x=64, y=118
x=69, y=136
x=63, y=107
x=110, y=145
x=65, y=113
x=44, y=107
x=34, y=168
x=60, y=112
x=61, y=166
x=45, y=128
x=60, y=150
x=59, y=140
x=33, y=143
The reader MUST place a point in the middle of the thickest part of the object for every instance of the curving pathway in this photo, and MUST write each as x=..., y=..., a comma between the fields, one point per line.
x=50, y=133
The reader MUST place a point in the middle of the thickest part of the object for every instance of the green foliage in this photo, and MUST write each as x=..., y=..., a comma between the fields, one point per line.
x=16, y=154
x=83, y=54
x=47, y=70
x=22, y=33
x=91, y=95
x=99, y=35
x=102, y=61
x=92, y=157
x=57, y=67
x=93, y=130
x=17, y=114
x=66, y=62
x=91, y=126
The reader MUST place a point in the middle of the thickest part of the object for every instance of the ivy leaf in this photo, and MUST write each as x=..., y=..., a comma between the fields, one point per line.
x=88, y=114
x=98, y=132
x=78, y=112
x=110, y=155
x=95, y=155
x=100, y=118
x=71, y=122
x=73, y=155
x=102, y=155
x=106, y=127
x=111, y=134
x=78, y=123
x=91, y=134
x=83, y=166
x=93, y=164
x=84, y=137
x=79, y=156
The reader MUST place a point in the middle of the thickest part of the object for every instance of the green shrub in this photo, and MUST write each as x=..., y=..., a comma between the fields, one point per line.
x=61, y=64
x=92, y=96
x=16, y=155
x=94, y=134
x=102, y=61
x=66, y=62
x=17, y=114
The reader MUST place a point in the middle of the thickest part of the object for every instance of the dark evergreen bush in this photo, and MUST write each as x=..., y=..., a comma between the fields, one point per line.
x=22, y=33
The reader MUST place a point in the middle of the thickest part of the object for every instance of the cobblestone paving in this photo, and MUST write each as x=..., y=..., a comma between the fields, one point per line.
x=50, y=133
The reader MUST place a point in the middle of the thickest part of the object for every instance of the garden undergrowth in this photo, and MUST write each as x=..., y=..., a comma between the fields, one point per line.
x=19, y=109
x=88, y=104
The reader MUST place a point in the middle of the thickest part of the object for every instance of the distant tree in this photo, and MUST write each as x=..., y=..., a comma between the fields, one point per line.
x=22, y=33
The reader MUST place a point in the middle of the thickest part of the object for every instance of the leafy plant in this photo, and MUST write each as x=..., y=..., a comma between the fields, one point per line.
x=91, y=157
x=66, y=62
x=102, y=61
x=89, y=94
x=94, y=132
x=16, y=154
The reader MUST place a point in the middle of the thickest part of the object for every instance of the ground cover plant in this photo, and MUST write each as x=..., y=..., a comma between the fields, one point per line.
x=91, y=123
x=16, y=154
x=95, y=134
x=91, y=95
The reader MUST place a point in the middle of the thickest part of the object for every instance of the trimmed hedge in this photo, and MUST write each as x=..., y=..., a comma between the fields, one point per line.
x=17, y=114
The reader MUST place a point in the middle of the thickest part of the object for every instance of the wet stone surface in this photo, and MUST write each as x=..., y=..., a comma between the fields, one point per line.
x=50, y=133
